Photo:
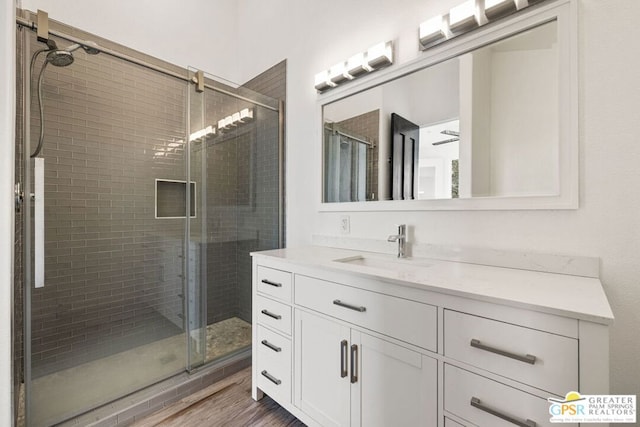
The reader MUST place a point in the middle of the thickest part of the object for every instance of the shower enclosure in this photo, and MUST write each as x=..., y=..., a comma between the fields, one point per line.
x=152, y=185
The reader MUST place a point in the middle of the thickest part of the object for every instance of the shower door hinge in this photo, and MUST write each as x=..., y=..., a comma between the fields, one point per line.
x=43, y=26
x=19, y=196
x=198, y=79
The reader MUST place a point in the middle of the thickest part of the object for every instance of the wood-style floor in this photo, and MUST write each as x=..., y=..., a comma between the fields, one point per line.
x=225, y=403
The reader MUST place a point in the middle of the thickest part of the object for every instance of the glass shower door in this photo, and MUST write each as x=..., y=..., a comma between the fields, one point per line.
x=235, y=164
x=104, y=287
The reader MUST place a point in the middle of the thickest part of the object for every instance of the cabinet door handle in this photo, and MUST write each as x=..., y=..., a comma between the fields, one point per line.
x=271, y=346
x=349, y=306
x=354, y=363
x=343, y=358
x=526, y=359
x=269, y=282
x=475, y=402
x=271, y=378
x=270, y=314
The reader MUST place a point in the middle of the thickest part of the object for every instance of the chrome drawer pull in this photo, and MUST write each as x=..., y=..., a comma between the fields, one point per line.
x=270, y=314
x=349, y=306
x=269, y=282
x=475, y=402
x=343, y=358
x=354, y=363
x=271, y=378
x=526, y=359
x=271, y=346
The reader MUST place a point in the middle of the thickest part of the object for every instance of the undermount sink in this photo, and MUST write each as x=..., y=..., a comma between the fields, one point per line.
x=382, y=263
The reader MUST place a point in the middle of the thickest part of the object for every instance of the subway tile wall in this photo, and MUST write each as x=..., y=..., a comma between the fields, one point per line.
x=242, y=193
x=113, y=271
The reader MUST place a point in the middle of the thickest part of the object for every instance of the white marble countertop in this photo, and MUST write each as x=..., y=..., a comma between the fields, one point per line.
x=561, y=294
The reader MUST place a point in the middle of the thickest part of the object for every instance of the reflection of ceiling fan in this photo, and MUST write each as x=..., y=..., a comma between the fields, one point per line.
x=446, y=141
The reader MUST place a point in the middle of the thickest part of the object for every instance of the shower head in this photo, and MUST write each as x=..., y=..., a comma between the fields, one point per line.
x=91, y=48
x=60, y=58
x=88, y=48
x=64, y=57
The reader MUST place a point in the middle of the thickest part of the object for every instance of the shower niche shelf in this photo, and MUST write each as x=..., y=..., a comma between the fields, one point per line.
x=171, y=199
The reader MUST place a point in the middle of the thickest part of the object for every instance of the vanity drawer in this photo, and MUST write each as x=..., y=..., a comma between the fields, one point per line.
x=405, y=320
x=448, y=422
x=274, y=364
x=274, y=349
x=273, y=313
x=276, y=283
x=463, y=390
x=540, y=359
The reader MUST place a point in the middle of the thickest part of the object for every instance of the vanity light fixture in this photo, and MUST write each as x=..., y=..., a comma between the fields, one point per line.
x=432, y=30
x=357, y=65
x=380, y=55
x=494, y=9
x=463, y=17
x=323, y=82
x=202, y=133
x=376, y=57
x=236, y=119
x=466, y=17
x=246, y=115
x=224, y=123
x=338, y=74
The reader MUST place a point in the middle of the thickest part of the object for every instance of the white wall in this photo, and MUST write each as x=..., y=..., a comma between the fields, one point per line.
x=7, y=144
x=524, y=122
x=315, y=35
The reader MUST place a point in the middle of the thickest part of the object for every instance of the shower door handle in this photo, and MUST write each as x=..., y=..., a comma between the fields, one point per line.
x=38, y=187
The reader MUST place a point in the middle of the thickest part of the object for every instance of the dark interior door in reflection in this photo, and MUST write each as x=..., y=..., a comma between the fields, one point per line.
x=405, y=143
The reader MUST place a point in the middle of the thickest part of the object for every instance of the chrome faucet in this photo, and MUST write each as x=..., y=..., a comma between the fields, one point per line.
x=401, y=238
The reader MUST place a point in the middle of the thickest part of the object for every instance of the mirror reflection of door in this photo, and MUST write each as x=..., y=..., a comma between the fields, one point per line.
x=405, y=146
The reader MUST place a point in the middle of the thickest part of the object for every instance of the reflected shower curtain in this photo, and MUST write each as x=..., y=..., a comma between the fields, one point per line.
x=345, y=169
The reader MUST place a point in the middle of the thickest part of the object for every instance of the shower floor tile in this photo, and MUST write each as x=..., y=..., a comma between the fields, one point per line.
x=227, y=336
x=100, y=381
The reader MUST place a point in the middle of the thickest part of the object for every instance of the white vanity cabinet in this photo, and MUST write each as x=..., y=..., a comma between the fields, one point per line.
x=343, y=346
x=345, y=377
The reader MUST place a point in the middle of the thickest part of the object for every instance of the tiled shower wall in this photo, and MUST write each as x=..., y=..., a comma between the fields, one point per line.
x=242, y=193
x=114, y=271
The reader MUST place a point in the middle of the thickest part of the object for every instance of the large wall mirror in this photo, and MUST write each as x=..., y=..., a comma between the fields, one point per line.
x=487, y=123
